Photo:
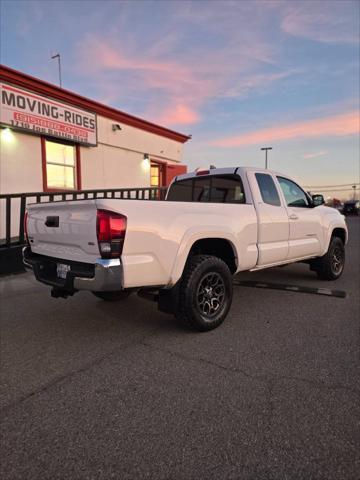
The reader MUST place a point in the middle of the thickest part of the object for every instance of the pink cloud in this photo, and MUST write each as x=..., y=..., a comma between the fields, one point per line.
x=175, y=88
x=336, y=125
x=173, y=77
x=315, y=154
x=179, y=115
x=174, y=91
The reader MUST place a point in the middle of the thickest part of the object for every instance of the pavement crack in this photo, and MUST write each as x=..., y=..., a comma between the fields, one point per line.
x=67, y=376
x=264, y=378
x=260, y=378
x=272, y=378
x=319, y=384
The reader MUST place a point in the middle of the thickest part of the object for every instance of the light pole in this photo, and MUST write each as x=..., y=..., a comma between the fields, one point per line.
x=354, y=195
x=266, y=150
x=57, y=55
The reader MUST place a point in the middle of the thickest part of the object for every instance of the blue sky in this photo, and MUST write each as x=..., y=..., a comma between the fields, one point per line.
x=237, y=75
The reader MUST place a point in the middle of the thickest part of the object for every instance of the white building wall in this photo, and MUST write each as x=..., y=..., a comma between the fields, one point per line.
x=20, y=164
x=118, y=160
x=110, y=167
x=20, y=171
x=135, y=139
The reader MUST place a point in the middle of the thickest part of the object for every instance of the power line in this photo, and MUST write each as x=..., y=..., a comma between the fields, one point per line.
x=337, y=190
x=331, y=186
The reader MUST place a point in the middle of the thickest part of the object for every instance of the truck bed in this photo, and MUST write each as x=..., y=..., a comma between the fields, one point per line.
x=158, y=236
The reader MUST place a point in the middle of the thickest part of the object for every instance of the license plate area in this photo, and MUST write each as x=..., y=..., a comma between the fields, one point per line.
x=62, y=270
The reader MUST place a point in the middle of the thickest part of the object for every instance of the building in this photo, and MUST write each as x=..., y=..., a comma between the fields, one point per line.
x=54, y=140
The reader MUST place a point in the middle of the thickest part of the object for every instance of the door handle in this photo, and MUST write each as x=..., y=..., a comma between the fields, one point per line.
x=293, y=217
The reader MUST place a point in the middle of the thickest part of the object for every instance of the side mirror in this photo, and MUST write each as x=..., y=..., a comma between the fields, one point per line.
x=318, y=200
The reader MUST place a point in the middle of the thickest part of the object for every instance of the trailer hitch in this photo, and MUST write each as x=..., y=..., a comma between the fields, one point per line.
x=61, y=293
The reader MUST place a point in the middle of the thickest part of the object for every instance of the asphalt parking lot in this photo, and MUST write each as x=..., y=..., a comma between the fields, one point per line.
x=95, y=390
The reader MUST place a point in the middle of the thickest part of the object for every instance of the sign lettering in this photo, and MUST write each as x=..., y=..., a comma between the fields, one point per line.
x=30, y=111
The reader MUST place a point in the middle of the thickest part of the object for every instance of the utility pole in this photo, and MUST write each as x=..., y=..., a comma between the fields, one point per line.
x=266, y=155
x=354, y=188
x=57, y=55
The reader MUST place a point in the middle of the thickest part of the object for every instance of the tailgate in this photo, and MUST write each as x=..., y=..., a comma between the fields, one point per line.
x=65, y=230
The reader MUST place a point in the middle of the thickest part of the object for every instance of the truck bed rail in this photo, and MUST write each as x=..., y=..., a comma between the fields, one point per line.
x=13, y=206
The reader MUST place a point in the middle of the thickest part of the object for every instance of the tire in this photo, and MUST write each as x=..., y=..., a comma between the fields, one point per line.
x=205, y=293
x=113, y=296
x=331, y=265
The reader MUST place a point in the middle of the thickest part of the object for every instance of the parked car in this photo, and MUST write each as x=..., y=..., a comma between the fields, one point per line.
x=184, y=250
x=352, y=207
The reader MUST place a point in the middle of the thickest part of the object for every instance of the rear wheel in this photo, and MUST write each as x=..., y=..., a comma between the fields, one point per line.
x=205, y=294
x=113, y=296
x=331, y=265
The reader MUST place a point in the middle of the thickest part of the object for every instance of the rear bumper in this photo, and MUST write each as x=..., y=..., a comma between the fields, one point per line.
x=103, y=275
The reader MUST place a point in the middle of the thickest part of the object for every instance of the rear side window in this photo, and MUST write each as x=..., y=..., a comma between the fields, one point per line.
x=201, y=191
x=214, y=189
x=227, y=189
x=181, y=191
x=268, y=190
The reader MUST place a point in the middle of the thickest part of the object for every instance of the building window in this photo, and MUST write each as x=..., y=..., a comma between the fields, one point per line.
x=154, y=176
x=60, y=166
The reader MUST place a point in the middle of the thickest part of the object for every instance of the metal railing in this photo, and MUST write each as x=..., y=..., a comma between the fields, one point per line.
x=14, y=205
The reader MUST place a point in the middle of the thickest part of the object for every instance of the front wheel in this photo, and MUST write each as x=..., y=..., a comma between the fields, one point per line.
x=113, y=296
x=205, y=293
x=331, y=265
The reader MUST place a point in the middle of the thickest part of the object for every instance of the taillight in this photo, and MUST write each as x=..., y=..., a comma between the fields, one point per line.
x=111, y=228
x=202, y=172
x=26, y=228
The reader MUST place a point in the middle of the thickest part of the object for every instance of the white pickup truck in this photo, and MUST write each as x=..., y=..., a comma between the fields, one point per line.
x=214, y=223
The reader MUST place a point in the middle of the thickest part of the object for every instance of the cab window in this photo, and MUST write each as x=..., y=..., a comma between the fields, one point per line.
x=212, y=188
x=294, y=195
x=267, y=188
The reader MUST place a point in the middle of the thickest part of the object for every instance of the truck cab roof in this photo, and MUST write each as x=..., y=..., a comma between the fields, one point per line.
x=224, y=171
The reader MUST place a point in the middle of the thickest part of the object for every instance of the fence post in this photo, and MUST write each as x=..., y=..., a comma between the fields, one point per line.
x=8, y=221
x=22, y=215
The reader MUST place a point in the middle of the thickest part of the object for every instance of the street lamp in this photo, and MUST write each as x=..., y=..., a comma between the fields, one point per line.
x=57, y=55
x=266, y=150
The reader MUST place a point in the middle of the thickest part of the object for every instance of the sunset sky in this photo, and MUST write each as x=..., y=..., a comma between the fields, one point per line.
x=237, y=75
